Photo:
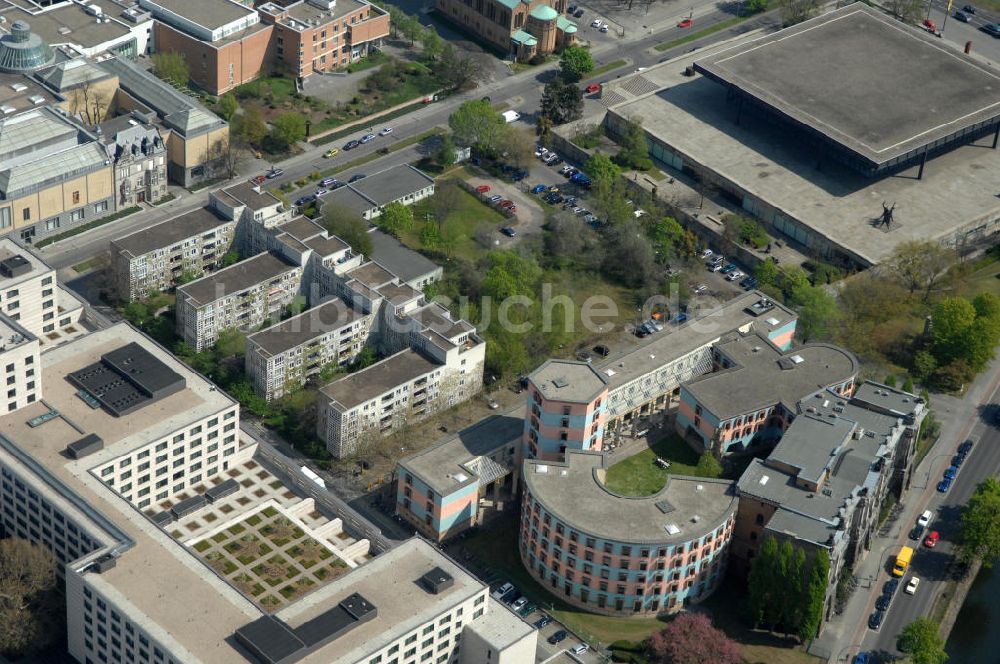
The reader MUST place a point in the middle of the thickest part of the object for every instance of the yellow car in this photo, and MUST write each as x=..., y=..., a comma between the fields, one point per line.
x=332, y=152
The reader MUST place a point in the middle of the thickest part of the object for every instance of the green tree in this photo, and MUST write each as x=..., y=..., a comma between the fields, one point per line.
x=815, y=595
x=171, y=66
x=349, y=227
x=509, y=274
x=601, y=170
x=230, y=258
x=476, y=124
x=230, y=343
x=228, y=106
x=634, y=152
x=890, y=380
x=920, y=265
x=796, y=11
x=979, y=528
x=396, y=218
x=794, y=611
x=575, y=63
x=762, y=584
x=562, y=102
x=433, y=44
x=922, y=641
x=668, y=237
x=458, y=70
x=365, y=359
x=908, y=385
x=767, y=273
x=289, y=128
x=250, y=126
x=445, y=155
x=817, y=312
x=430, y=236
x=756, y=6
x=708, y=465
x=924, y=365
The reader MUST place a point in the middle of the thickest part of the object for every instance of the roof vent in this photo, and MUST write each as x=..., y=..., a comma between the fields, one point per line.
x=672, y=528
x=18, y=87
x=36, y=99
x=460, y=477
x=797, y=359
x=771, y=320
x=699, y=487
x=7, y=110
x=763, y=480
x=664, y=506
x=695, y=519
x=560, y=382
x=436, y=581
x=542, y=469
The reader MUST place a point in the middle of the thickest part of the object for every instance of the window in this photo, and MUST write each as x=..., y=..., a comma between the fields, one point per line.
x=5, y=217
x=26, y=214
x=76, y=198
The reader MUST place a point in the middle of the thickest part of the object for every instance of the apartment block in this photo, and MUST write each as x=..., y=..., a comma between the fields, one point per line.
x=241, y=296
x=459, y=481
x=30, y=295
x=19, y=360
x=407, y=387
x=323, y=35
x=567, y=407
x=286, y=355
x=154, y=258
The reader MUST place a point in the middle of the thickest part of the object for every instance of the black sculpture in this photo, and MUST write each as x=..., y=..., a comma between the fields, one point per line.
x=887, y=215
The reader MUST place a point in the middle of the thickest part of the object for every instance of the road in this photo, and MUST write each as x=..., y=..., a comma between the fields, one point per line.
x=983, y=45
x=930, y=565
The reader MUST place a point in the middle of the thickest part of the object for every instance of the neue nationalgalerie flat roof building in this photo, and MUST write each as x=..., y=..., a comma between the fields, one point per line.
x=804, y=129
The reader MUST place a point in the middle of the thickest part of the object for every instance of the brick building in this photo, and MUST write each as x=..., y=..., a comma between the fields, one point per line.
x=523, y=28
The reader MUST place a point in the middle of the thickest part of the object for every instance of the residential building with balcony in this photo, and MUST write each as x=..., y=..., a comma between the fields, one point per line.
x=313, y=36
x=522, y=28
x=463, y=479
x=241, y=296
x=32, y=298
x=751, y=397
x=435, y=373
x=285, y=356
x=623, y=555
x=823, y=485
x=154, y=258
x=139, y=157
x=566, y=410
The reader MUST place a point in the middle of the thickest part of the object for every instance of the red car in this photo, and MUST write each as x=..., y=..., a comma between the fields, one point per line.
x=512, y=209
x=483, y=189
x=592, y=88
x=932, y=539
x=686, y=23
x=506, y=203
x=930, y=25
x=258, y=180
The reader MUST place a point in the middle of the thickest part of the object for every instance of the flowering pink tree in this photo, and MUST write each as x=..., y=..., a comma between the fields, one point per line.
x=690, y=638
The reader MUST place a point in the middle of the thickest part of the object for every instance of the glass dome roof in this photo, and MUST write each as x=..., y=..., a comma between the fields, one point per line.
x=22, y=50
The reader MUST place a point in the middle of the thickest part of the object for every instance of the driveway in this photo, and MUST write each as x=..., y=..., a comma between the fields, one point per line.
x=529, y=218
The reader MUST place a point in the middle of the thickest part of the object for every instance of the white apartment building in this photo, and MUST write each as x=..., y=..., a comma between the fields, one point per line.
x=434, y=374
x=154, y=258
x=30, y=295
x=19, y=363
x=241, y=296
x=284, y=356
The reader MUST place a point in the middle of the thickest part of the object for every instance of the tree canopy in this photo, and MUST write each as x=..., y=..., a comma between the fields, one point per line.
x=171, y=66
x=396, y=218
x=250, y=126
x=27, y=573
x=979, y=530
x=922, y=641
x=562, y=101
x=228, y=106
x=690, y=638
x=289, y=128
x=634, y=152
x=920, y=265
x=575, y=63
x=349, y=227
x=476, y=124
x=602, y=171
x=784, y=592
x=965, y=331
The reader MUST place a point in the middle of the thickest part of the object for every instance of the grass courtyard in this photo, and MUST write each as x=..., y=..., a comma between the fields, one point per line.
x=467, y=217
x=270, y=559
x=639, y=475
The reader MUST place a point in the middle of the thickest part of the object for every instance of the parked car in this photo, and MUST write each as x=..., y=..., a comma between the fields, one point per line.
x=890, y=587
x=958, y=460
x=861, y=658
x=258, y=179
x=992, y=29
x=950, y=472
x=332, y=152
x=539, y=188
x=512, y=209
x=581, y=648
x=592, y=88
x=925, y=519
x=603, y=28
x=508, y=231
x=932, y=539
x=680, y=318
x=367, y=138
x=350, y=145
x=602, y=350
x=321, y=192
x=558, y=637
x=539, y=150
x=571, y=9
x=578, y=13
x=546, y=619
x=916, y=532
x=275, y=172
x=883, y=602
x=385, y=132
x=495, y=198
x=305, y=200
x=483, y=189
x=584, y=356
x=355, y=178
x=505, y=203
x=912, y=586
x=875, y=620
x=944, y=485
x=337, y=184
x=963, y=17
x=965, y=447
x=519, y=603
x=502, y=590
x=326, y=182
x=734, y=275
x=968, y=9
x=527, y=610
x=728, y=268
x=596, y=23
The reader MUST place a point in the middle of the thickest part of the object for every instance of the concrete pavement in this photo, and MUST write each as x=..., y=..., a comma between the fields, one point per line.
x=848, y=633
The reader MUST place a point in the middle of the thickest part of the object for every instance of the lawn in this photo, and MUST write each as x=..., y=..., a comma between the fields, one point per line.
x=495, y=550
x=985, y=279
x=639, y=475
x=465, y=219
x=611, y=66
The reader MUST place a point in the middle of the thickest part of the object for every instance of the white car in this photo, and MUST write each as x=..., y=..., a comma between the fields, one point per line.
x=925, y=519
x=519, y=603
x=596, y=23
x=705, y=255
x=912, y=586
x=734, y=275
x=580, y=649
x=502, y=590
x=603, y=28
x=385, y=132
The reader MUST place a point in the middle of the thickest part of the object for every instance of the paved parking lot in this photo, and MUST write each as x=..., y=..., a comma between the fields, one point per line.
x=644, y=18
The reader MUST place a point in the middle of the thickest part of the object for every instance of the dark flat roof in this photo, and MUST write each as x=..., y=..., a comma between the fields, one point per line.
x=379, y=378
x=127, y=379
x=875, y=88
x=310, y=324
x=171, y=231
x=233, y=279
x=399, y=259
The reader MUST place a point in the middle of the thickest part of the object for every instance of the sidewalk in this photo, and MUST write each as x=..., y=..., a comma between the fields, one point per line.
x=957, y=416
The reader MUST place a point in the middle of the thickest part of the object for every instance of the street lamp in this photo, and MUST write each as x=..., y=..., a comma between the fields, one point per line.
x=930, y=467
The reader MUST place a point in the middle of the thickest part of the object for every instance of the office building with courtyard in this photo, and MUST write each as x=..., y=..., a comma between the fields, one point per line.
x=623, y=555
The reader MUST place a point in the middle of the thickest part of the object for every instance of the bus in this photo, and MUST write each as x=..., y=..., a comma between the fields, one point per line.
x=902, y=561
